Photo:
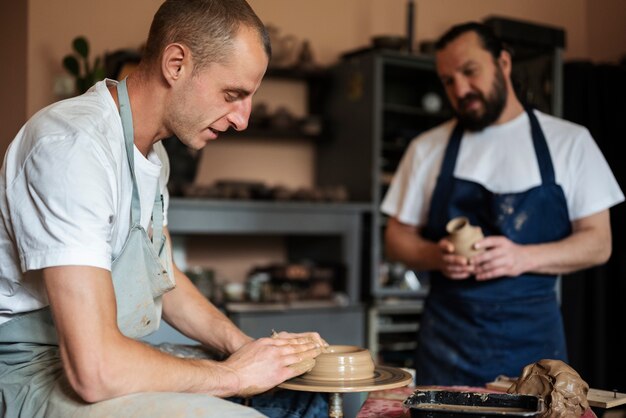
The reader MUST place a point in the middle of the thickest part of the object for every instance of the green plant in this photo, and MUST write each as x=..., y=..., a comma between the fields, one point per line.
x=86, y=75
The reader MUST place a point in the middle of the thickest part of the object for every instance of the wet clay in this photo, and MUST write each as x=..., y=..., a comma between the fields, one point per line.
x=303, y=366
x=563, y=390
x=342, y=363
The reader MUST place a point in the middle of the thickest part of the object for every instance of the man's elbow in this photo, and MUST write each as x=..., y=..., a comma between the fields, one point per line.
x=600, y=255
x=604, y=254
x=91, y=382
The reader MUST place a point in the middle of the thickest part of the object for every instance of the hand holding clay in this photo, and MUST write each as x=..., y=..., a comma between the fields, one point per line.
x=265, y=363
x=310, y=337
x=463, y=236
x=561, y=387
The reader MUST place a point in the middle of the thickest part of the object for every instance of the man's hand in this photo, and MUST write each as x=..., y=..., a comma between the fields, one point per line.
x=501, y=258
x=264, y=363
x=455, y=267
x=302, y=337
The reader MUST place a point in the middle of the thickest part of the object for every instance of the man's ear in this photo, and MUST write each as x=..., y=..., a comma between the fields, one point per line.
x=176, y=59
x=506, y=63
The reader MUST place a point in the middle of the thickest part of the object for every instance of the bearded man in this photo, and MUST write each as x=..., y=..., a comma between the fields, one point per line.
x=539, y=188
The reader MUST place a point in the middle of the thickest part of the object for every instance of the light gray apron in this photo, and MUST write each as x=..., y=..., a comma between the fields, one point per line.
x=141, y=274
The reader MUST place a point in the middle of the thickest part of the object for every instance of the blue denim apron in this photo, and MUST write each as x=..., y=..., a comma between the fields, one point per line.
x=32, y=382
x=472, y=331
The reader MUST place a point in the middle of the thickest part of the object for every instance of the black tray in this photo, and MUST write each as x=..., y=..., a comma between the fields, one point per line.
x=450, y=404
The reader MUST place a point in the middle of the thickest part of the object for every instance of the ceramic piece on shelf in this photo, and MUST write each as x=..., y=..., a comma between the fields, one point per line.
x=463, y=235
x=432, y=102
x=284, y=47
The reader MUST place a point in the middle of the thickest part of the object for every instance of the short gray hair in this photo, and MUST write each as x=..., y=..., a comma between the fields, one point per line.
x=206, y=27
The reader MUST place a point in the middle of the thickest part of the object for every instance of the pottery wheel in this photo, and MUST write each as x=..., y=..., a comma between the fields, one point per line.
x=384, y=378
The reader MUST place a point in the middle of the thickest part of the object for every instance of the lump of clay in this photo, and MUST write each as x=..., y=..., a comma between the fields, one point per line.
x=563, y=390
x=303, y=366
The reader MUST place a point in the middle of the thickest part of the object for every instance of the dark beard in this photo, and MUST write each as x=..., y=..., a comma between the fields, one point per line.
x=493, y=105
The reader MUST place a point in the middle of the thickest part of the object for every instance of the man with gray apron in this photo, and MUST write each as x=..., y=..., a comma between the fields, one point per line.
x=498, y=311
x=86, y=268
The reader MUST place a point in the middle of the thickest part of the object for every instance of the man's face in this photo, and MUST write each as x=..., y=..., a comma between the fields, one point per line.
x=473, y=80
x=218, y=96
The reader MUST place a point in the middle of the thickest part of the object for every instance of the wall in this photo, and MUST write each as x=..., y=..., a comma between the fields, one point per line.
x=332, y=26
x=594, y=30
x=606, y=30
x=13, y=33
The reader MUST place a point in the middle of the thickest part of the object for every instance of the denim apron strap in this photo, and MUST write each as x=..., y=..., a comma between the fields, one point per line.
x=438, y=214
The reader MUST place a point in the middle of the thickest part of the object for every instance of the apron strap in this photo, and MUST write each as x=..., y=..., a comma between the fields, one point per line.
x=541, y=149
x=157, y=221
x=443, y=188
x=439, y=201
x=129, y=141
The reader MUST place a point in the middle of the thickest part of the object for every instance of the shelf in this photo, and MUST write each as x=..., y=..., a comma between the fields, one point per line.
x=414, y=111
x=404, y=293
x=242, y=307
x=400, y=307
x=316, y=80
x=245, y=218
x=198, y=216
x=389, y=328
x=271, y=133
x=398, y=346
x=297, y=73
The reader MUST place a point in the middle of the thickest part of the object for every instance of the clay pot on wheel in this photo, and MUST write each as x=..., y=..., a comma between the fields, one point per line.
x=342, y=363
x=463, y=236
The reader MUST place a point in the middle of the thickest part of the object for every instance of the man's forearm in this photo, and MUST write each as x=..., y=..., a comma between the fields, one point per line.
x=191, y=313
x=567, y=256
x=131, y=366
x=404, y=244
x=99, y=361
x=588, y=245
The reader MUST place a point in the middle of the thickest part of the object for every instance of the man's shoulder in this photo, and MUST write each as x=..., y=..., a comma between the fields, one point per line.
x=87, y=118
x=84, y=112
x=559, y=126
x=437, y=134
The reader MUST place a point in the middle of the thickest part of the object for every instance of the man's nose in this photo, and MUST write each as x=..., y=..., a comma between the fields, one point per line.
x=461, y=87
x=240, y=115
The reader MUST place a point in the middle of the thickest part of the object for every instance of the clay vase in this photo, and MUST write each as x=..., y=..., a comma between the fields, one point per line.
x=463, y=235
x=341, y=363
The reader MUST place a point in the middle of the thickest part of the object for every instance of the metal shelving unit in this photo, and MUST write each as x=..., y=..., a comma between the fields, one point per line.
x=378, y=103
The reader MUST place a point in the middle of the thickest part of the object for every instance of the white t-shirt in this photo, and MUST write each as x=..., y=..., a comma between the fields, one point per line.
x=502, y=159
x=66, y=194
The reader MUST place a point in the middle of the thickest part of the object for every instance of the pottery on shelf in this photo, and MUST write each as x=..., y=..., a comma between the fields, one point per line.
x=342, y=363
x=284, y=47
x=463, y=235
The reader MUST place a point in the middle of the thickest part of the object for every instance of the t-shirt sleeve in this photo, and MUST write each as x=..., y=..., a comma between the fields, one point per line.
x=63, y=205
x=409, y=195
x=592, y=185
